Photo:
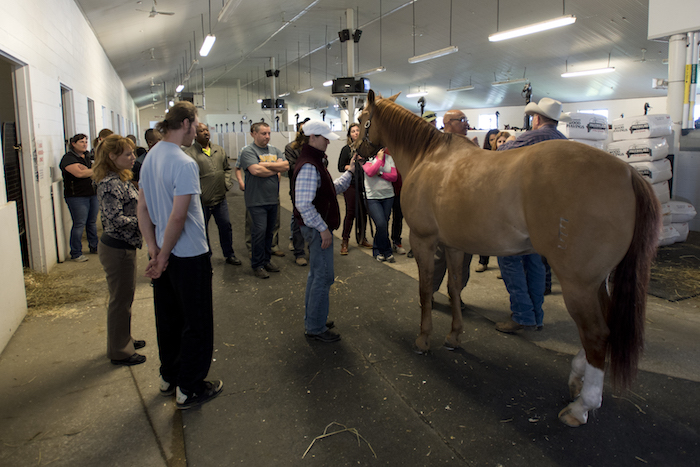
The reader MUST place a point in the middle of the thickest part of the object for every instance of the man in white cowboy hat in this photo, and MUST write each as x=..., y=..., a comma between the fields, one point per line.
x=527, y=277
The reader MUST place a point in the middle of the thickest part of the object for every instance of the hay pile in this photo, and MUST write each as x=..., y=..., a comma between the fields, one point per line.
x=49, y=291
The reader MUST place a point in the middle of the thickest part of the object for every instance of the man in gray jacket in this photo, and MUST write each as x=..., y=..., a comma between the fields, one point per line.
x=215, y=180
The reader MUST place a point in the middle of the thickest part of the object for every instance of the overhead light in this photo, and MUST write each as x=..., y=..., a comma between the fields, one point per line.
x=207, y=45
x=328, y=83
x=305, y=90
x=533, y=28
x=284, y=94
x=228, y=10
x=418, y=94
x=259, y=101
x=509, y=81
x=434, y=54
x=597, y=71
x=180, y=88
x=461, y=88
x=171, y=103
x=370, y=71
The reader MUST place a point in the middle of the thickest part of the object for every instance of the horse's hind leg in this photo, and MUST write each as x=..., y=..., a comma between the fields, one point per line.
x=424, y=252
x=455, y=261
x=585, y=306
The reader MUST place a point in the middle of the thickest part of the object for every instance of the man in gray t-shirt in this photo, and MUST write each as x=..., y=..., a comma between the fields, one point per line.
x=262, y=165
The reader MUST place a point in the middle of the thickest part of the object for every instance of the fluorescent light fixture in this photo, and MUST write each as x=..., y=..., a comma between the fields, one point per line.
x=259, y=101
x=228, y=10
x=434, y=54
x=418, y=94
x=305, y=90
x=370, y=71
x=180, y=88
x=284, y=94
x=171, y=103
x=509, y=81
x=533, y=28
x=328, y=83
x=461, y=88
x=207, y=45
x=571, y=74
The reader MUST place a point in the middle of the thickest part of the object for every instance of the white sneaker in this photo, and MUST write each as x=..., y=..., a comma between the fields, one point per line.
x=481, y=267
x=381, y=258
x=291, y=245
x=390, y=259
x=80, y=259
x=399, y=250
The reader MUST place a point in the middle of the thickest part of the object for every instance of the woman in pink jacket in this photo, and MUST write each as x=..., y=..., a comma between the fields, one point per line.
x=380, y=171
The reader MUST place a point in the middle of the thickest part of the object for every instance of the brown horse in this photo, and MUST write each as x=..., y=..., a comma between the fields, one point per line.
x=588, y=213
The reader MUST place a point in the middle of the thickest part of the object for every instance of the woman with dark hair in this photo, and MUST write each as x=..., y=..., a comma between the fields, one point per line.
x=79, y=194
x=489, y=142
x=349, y=194
x=121, y=237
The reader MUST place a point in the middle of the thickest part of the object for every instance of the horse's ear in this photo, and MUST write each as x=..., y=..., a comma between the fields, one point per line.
x=370, y=97
x=393, y=98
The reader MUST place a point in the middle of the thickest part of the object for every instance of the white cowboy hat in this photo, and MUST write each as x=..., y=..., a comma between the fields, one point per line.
x=549, y=108
x=317, y=127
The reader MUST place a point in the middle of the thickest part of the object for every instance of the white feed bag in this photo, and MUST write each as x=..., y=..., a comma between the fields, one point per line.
x=666, y=213
x=585, y=126
x=643, y=126
x=639, y=150
x=593, y=143
x=662, y=192
x=682, y=230
x=681, y=211
x=654, y=172
x=668, y=235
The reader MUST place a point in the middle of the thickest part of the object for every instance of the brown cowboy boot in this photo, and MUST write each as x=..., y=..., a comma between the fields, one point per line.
x=344, y=247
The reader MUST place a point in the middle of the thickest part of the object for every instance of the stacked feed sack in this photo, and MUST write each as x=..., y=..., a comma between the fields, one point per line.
x=590, y=129
x=676, y=215
x=641, y=141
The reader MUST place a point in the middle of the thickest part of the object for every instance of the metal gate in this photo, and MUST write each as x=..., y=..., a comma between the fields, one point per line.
x=13, y=180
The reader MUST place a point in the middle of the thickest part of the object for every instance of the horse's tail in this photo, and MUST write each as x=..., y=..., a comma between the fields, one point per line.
x=626, y=314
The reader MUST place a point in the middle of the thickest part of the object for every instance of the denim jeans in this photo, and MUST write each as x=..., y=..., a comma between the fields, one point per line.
x=262, y=225
x=182, y=296
x=318, y=282
x=83, y=211
x=379, y=211
x=297, y=238
x=524, y=279
x=223, y=223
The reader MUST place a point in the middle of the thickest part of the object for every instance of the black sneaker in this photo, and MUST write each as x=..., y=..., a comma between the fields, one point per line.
x=327, y=336
x=233, y=260
x=139, y=344
x=260, y=273
x=269, y=267
x=187, y=401
x=135, y=359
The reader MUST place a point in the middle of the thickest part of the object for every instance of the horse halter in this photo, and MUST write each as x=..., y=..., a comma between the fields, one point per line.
x=365, y=139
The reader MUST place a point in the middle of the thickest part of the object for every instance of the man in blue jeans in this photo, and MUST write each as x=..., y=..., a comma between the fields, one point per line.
x=215, y=178
x=317, y=212
x=524, y=275
x=262, y=165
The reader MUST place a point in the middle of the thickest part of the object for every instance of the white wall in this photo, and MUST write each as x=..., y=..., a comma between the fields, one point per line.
x=53, y=45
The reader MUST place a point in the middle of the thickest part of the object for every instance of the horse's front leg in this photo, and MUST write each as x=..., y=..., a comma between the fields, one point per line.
x=455, y=261
x=590, y=398
x=424, y=252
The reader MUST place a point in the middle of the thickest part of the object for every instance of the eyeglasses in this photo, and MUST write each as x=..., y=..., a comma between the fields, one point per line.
x=463, y=119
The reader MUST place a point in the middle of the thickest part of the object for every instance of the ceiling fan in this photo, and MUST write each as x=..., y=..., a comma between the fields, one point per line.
x=153, y=13
x=644, y=59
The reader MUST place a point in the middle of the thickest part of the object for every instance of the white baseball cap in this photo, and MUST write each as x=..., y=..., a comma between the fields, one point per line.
x=319, y=128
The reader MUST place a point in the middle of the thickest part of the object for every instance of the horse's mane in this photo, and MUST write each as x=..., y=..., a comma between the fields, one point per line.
x=411, y=130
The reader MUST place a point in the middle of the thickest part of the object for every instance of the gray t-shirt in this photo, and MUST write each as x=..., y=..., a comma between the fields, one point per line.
x=168, y=172
x=260, y=191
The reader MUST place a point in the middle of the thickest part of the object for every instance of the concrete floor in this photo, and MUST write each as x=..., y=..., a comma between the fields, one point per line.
x=494, y=402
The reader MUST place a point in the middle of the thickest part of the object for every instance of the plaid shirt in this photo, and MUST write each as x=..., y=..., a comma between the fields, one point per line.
x=531, y=137
x=308, y=180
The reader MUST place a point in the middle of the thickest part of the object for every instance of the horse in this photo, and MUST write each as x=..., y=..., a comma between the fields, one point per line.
x=590, y=214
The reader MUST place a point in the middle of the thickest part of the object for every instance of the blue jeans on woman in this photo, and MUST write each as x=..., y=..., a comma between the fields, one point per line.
x=524, y=279
x=83, y=211
x=379, y=211
x=318, y=282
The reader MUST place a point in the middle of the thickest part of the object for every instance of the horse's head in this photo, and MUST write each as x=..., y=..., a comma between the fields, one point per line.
x=370, y=140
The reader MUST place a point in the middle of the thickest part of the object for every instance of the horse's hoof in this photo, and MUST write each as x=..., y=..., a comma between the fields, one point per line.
x=418, y=351
x=567, y=417
x=422, y=344
x=452, y=345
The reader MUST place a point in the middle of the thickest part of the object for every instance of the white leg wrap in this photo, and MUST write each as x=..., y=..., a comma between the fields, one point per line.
x=591, y=395
x=578, y=369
